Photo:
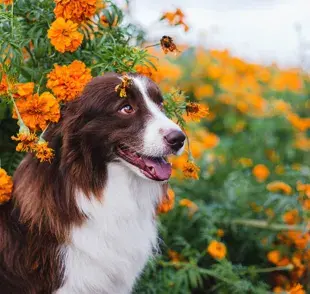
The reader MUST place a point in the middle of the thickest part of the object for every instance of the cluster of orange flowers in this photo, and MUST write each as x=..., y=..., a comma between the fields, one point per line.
x=63, y=33
x=6, y=186
x=68, y=81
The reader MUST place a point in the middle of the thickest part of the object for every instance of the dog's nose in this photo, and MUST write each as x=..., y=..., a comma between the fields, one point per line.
x=175, y=139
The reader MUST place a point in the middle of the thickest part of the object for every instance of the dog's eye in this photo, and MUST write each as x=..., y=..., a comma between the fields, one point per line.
x=127, y=109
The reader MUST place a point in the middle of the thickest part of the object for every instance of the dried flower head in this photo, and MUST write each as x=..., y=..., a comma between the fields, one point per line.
x=190, y=170
x=43, y=152
x=196, y=111
x=64, y=35
x=168, y=45
x=121, y=89
x=27, y=141
x=6, y=186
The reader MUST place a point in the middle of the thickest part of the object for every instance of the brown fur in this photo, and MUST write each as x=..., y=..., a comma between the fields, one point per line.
x=38, y=219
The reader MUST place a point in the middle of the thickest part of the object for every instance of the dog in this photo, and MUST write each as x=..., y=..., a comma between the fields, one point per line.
x=86, y=222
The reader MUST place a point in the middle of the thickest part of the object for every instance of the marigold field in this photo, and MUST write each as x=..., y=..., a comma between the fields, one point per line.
x=236, y=217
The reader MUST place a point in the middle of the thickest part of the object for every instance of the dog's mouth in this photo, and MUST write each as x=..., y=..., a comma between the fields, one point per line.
x=154, y=168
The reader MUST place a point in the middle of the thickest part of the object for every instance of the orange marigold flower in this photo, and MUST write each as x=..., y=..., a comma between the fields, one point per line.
x=217, y=249
x=23, y=90
x=220, y=233
x=303, y=188
x=43, y=152
x=192, y=206
x=291, y=217
x=168, y=45
x=77, y=10
x=174, y=256
x=68, y=81
x=6, y=2
x=167, y=202
x=64, y=35
x=196, y=111
x=144, y=70
x=3, y=84
x=109, y=23
x=6, y=186
x=274, y=256
x=27, y=141
x=297, y=289
x=261, y=172
x=123, y=86
x=176, y=18
x=278, y=186
x=37, y=111
x=190, y=170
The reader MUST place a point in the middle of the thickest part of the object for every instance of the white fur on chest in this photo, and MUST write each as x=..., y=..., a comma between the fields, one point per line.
x=109, y=251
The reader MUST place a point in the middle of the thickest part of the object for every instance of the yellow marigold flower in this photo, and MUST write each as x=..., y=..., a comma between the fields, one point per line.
x=291, y=217
x=220, y=233
x=6, y=186
x=261, y=172
x=6, y=2
x=68, y=81
x=192, y=207
x=77, y=10
x=123, y=86
x=245, y=162
x=43, y=152
x=27, y=141
x=297, y=289
x=64, y=35
x=167, y=202
x=278, y=186
x=190, y=170
x=217, y=249
x=168, y=45
x=37, y=111
x=196, y=111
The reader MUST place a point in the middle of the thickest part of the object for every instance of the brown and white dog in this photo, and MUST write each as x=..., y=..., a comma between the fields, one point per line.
x=85, y=223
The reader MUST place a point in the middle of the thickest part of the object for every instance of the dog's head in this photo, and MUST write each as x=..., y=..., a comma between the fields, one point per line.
x=133, y=130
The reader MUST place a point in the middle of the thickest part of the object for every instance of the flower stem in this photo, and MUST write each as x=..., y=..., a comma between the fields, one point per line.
x=266, y=225
x=154, y=45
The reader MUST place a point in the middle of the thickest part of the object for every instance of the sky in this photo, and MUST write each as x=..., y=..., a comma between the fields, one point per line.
x=262, y=31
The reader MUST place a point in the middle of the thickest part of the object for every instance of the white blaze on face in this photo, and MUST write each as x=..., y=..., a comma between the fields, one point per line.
x=157, y=125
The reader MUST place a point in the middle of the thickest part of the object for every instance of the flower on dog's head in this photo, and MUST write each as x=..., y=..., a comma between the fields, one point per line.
x=168, y=45
x=43, y=152
x=126, y=82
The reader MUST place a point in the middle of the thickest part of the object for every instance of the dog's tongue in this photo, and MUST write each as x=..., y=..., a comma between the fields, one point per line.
x=162, y=168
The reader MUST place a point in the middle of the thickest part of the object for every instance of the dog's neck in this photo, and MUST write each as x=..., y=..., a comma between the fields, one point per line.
x=110, y=249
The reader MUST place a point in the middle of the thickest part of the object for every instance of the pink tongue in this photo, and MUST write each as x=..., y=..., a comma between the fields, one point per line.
x=162, y=168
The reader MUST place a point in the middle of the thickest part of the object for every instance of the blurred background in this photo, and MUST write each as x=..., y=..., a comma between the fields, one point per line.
x=258, y=30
